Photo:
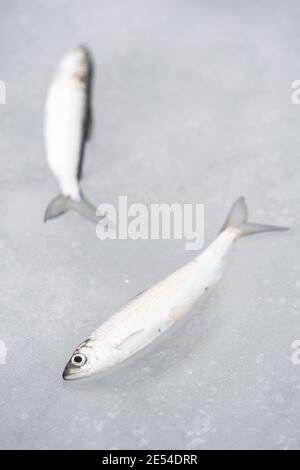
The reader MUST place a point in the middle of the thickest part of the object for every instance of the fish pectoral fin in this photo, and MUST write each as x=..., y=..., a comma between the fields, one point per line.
x=126, y=341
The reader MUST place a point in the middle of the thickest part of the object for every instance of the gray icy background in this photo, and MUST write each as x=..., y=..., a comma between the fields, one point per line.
x=192, y=101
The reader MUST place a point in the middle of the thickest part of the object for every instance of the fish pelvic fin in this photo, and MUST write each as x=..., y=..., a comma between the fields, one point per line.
x=238, y=219
x=61, y=204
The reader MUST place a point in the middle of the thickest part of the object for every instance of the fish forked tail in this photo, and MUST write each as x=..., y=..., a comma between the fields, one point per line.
x=238, y=219
x=61, y=204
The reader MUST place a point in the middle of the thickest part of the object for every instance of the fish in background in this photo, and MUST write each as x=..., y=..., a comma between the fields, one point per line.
x=157, y=309
x=67, y=127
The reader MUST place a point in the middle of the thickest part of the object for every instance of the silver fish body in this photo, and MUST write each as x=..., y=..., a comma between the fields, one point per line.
x=67, y=127
x=154, y=311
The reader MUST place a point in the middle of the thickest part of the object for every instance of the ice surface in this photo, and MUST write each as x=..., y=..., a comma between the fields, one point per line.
x=192, y=102
x=2, y=353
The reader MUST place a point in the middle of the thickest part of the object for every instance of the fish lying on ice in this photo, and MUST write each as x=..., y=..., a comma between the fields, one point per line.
x=67, y=127
x=155, y=310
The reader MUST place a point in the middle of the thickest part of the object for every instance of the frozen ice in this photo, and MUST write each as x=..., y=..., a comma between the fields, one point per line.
x=2, y=353
x=192, y=103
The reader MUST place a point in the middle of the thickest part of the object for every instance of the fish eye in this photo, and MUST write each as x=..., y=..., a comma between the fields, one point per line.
x=78, y=359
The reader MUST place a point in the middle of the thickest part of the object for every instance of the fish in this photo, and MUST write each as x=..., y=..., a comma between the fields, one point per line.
x=67, y=128
x=154, y=311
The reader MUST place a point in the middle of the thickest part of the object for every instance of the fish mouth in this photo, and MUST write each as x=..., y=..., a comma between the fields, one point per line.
x=67, y=376
x=70, y=374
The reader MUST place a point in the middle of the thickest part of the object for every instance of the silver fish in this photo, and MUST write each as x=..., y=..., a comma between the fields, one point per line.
x=155, y=310
x=67, y=127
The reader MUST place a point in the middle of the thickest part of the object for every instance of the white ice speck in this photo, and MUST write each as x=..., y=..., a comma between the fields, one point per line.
x=126, y=281
x=2, y=353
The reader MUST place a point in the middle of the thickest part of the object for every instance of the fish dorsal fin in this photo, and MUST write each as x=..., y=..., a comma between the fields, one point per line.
x=138, y=295
x=135, y=297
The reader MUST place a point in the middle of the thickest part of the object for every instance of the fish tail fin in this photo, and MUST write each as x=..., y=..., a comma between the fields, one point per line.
x=61, y=204
x=238, y=219
x=58, y=206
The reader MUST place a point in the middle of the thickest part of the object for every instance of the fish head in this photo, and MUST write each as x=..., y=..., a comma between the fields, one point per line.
x=77, y=63
x=91, y=356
